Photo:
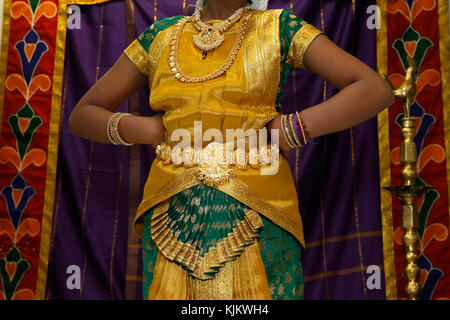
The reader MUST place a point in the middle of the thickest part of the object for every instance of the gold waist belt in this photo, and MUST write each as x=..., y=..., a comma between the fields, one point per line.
x=214, y=163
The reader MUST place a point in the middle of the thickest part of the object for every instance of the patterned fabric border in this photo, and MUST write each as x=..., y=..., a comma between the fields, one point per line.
x=385, y=168
x=86, y=2
x=33, y=54
x=420, y=29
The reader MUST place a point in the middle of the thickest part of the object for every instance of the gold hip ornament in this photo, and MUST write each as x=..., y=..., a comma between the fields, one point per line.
x=213, y=170
x=213, y=163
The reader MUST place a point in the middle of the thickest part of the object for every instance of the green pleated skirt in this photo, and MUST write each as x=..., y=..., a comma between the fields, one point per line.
x=201, y=216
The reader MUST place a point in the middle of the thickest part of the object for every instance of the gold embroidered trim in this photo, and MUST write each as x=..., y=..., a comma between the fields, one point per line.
x=262, y=56
x=86, y=2
x=300, y=44
x=156, y=50
x=226, y=249
x=138, y=56
x=219, y=288
x=241, y=192
x=234, y=188
x=178, y=183
x=385, y=166
x=225, y=283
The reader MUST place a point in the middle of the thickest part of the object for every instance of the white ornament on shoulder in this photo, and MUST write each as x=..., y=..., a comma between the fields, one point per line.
x=259, y=4
x=256, y=4
x=200, y=4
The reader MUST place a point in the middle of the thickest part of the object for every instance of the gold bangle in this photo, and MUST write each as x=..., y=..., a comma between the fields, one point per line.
x=286, y=132
x=113, y=129
x=110, y=129
x=119, y=138
x=290, y=131
x=298, y=143
x=283, y=129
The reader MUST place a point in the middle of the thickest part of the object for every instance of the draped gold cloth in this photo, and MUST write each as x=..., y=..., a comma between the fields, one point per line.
x=241, y=279
x=243, y=98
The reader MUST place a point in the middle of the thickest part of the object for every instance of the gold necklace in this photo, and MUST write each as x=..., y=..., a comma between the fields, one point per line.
x=173, y=53
x=211, y=37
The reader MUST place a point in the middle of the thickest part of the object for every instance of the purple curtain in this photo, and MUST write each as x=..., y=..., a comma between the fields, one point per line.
x=337, y=175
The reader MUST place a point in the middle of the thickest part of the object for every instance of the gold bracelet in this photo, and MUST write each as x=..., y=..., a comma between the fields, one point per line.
x=113, y=129
x=291, y=130
x=119, y=138
x=285, y=128
x=301, y=127
x=298, y=143
x=286, y=133
x=108, y=130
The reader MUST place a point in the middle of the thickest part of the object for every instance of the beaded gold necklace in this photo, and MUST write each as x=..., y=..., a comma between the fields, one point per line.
x=174, y=44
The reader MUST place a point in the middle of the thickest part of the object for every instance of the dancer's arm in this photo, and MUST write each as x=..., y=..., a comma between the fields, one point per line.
x=363, y=93
x=90, y=117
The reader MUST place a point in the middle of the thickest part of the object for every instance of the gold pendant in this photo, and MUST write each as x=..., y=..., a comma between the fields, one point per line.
x=214, y=175
x=208, y=40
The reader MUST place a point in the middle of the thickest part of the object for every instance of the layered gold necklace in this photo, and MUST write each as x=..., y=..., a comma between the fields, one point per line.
x=209, y=38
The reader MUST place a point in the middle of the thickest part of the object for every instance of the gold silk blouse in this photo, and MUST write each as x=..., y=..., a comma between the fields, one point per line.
x=244, y=97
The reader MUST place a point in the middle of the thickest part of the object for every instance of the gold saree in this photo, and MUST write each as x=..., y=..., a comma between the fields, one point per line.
x=243, y=98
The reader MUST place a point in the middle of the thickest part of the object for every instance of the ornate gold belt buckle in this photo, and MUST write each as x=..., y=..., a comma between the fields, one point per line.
x=213, y=169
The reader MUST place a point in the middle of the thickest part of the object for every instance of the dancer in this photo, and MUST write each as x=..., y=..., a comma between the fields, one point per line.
x=224, y=230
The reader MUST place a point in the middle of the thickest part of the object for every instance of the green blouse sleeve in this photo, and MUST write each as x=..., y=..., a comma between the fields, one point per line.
x=295, y=36
x=289, y=25
x=138, y=50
